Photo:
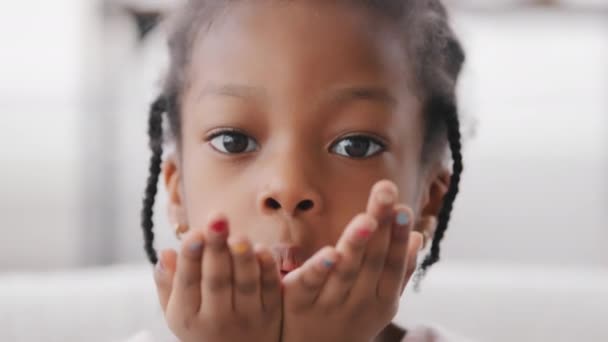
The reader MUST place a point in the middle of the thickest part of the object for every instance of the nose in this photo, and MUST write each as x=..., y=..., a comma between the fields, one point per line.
x=290, y=190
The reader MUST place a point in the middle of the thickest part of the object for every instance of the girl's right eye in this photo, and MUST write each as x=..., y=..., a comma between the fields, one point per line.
x=231, y=142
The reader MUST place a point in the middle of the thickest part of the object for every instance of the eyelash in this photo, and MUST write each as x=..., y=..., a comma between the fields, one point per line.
x=381, y=146
x=229, y=132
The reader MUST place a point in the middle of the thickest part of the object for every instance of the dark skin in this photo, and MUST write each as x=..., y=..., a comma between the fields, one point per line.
x=301, y=127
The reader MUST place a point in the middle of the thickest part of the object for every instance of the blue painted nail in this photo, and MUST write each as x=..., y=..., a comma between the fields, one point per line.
x=195, y=247
x=328, y=263
x=402, y=218
x=159, y=266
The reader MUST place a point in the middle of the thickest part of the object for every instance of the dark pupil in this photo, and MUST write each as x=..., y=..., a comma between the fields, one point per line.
x=357, y=147
x=235, y=143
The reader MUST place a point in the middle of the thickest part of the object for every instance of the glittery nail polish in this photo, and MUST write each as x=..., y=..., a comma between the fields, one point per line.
x=196, y=247
x=327, y=263
x=240, y=248
x=364, y=234
x=219, y=226
x=402, y=218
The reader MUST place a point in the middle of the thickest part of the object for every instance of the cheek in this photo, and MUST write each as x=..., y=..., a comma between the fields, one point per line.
x=209, y=187
x=347, y=193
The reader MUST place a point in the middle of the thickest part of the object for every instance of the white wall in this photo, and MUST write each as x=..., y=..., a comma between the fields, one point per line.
x=41, y=67
x=536, y=183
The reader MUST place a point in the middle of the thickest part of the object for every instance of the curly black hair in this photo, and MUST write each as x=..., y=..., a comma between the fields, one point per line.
x=437, y=57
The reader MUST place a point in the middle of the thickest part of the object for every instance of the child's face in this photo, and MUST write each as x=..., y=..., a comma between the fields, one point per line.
x=296, y=82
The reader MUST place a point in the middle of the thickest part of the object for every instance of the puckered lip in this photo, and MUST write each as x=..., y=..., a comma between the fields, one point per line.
x=288, y=257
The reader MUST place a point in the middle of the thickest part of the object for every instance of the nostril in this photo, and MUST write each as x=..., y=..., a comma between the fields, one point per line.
x=305, y=205
x=272, y=203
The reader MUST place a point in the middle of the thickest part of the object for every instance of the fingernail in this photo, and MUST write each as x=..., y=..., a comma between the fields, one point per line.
x=386, y=197
x=400, y=228
x=327, y=263
x=195, y=247
x=364, y=233
x=402, y=218
x=219, y=226
x=240, y=248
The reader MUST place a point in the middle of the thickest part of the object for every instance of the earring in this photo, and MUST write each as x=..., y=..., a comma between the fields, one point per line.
x=180, y=229
x=426, y=238
x=426, y=226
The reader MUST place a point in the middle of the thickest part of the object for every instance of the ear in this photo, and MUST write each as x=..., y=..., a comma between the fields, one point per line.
x=172, y=179
x=437, y=185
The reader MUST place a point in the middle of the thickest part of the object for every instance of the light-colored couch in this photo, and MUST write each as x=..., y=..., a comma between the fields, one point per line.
x=485, y=302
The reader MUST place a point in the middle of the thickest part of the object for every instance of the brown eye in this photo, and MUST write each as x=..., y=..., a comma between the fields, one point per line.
x=357, y=147
x=231, y=142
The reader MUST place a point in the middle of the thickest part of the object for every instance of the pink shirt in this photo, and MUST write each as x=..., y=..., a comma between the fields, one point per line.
x=415, y=334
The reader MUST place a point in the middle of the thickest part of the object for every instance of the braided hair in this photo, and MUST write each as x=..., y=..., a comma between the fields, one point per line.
x=437, y=60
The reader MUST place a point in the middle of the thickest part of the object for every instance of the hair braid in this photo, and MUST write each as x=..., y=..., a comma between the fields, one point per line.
x=155, y=134
x=449, y=111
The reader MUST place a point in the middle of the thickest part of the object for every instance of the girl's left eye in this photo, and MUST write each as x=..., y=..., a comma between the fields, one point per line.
x=357, y=147
x=230, y=142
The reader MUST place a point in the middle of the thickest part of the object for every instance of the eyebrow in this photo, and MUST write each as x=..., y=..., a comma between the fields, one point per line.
x=234, y=90
x=364, y=93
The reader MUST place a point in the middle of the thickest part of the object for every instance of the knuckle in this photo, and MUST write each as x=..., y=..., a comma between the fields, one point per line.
x=361, y=305
x=270, y=284
x=246, y=259
x=309, y=284
x=394, y=264
x=247, y=287
x=356, y=247
x=188, y=278
x=375, y=262
x=218, y=282
x=347, y=274
x=272, y=308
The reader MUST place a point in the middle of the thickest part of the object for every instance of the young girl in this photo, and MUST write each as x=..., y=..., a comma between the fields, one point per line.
x=308, y=166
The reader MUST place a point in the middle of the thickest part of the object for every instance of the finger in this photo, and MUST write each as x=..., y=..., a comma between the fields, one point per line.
x=185, y=297
x=270, y=280
x=351, y=247
x=246, y=275
x=380, y=207
x=217, y=270
x=303, y=285
x=163, y=276
x=395, y=266
x=415, y=245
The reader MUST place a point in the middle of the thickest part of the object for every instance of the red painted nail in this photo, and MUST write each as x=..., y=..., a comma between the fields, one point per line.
x=219, y=226
x=364, y=233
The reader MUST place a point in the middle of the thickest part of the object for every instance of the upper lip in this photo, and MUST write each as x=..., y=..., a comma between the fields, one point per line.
x=288, y=256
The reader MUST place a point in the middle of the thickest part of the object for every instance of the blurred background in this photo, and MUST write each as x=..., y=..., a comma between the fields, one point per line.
x=76, y=78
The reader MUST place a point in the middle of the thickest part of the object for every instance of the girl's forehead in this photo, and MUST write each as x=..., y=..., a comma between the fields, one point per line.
x=300, y=46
